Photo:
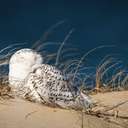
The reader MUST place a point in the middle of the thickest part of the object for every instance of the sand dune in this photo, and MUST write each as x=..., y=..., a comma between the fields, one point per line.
x=17, y=113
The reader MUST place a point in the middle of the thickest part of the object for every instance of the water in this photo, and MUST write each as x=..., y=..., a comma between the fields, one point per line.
x=96, y=23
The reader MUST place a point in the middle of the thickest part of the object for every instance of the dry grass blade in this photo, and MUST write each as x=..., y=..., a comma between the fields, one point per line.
x=29, y=114
x=50, y=57
x=110, y=67
x=70, y=64
x=125, y=81
x=61, y=46
x=46, y=44
x=88, y=53
x=11, y=46
x=106, y=66
x=43, y=38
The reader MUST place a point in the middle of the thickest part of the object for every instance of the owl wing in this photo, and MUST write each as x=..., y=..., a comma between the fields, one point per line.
x=49, y=85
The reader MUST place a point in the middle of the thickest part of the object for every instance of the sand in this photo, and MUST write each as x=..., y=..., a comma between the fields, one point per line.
x=18, y=113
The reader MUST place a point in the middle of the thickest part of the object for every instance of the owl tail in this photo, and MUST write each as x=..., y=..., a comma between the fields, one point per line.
x=83, y=101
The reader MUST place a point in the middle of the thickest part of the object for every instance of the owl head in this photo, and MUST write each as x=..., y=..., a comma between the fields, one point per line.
x=21, y=63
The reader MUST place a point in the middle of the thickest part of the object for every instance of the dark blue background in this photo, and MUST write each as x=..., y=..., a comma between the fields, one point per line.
x=96, y=22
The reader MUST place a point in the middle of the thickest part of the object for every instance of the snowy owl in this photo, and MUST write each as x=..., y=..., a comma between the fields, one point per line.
x=43, y=83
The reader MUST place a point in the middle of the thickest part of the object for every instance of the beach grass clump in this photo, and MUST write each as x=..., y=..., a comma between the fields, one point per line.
x=107, y=74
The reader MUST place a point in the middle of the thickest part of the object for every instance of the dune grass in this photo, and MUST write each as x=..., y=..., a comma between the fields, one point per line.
x=108, y=73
